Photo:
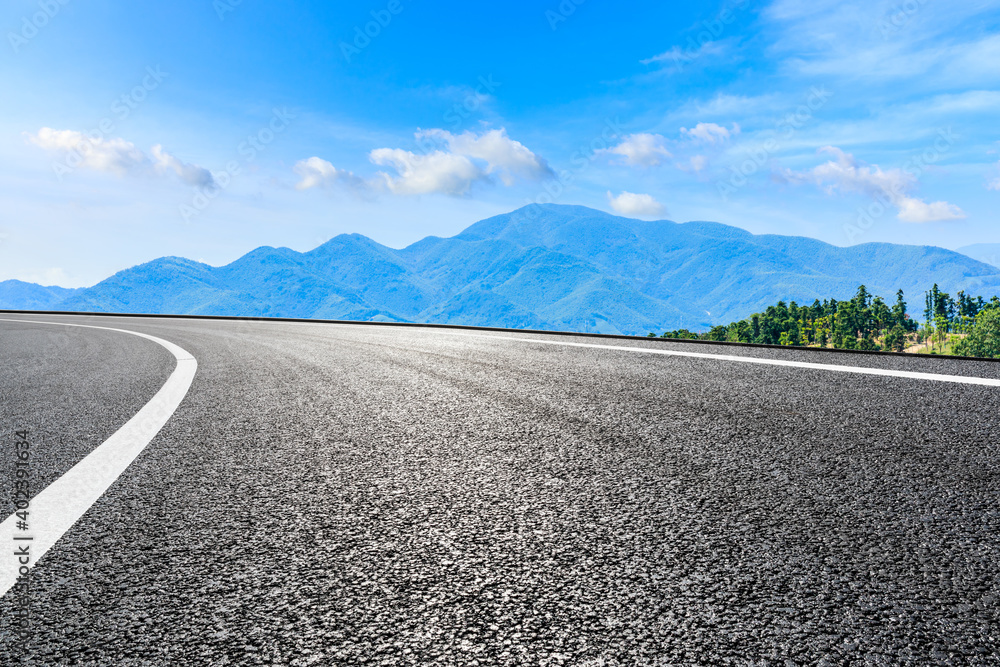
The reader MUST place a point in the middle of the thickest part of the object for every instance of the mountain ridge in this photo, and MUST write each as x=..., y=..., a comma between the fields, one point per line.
x=988, y=253
x=554, y=267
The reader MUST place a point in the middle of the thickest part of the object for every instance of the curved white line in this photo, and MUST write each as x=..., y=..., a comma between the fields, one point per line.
x=56, y=508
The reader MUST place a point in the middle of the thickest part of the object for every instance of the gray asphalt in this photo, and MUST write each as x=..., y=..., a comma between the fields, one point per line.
x=389, y=496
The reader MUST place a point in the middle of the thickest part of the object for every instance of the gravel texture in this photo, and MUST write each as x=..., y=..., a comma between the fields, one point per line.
x=388, y=496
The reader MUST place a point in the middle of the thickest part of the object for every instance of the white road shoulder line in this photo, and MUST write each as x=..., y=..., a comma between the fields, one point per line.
x=837, y=368
x=56, y=508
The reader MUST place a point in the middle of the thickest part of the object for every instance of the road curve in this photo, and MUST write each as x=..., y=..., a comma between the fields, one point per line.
x=56, y=507
x=332, y=494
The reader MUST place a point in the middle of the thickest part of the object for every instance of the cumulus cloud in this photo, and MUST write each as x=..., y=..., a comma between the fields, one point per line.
x=641, y=205
x=446, y=163
x=499, y=153
x=917, y=210
x=710, y=133
x=437, y=171
x=642, y=150
x=844, y=173
x=318, y=173
x=650, y=150
x=451, y=164
x=116, y=155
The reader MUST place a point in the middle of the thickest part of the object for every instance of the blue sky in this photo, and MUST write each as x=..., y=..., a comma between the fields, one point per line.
x=206, y=128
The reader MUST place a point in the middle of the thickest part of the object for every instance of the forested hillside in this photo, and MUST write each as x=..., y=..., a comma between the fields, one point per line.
x=961, y=325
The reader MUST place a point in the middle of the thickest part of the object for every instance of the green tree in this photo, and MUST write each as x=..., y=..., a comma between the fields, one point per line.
x=679, y=333
x=899, y=315
x=881, y=317
x=863, y=322
x=984, y=339
x=848, y=325
x=941, y=327
x=895, y=340
x=868, y=343
x=717, y=333
x=744, y=334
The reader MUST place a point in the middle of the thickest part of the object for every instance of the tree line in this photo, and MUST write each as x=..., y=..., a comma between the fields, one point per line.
x=960, y=325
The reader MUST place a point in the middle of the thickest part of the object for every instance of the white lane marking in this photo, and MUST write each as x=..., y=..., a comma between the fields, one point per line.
x=912, y=375
x=837, y=368
x=56, y=508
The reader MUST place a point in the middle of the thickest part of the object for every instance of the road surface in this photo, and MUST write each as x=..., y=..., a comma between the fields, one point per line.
x=335, y=494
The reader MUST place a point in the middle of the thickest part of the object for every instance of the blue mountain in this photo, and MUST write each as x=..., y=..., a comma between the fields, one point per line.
x=19, y=295
x=543, y=266
x=984, y=252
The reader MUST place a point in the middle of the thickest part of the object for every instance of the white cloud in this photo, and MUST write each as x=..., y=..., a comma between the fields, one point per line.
x=676, y=53
x=316, y=172
x=917, y=210
x=629, y=203
x=846, y=174
x=710, y=133
x=117, y=156
x=643, y=150
x=724, y=104
x=438, y=171
x=699, y=162
x=925, y=43
x=114, y=155
x=496, y=150
x=695, y=164
x=969, y=101
x=681, y=56
x=994, y=184
x=451, y=164
x=189, y=173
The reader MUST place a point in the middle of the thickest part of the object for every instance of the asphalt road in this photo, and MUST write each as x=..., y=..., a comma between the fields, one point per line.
x=390, y=496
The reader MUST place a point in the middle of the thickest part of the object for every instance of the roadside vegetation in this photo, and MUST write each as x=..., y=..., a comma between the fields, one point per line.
x=962, y=325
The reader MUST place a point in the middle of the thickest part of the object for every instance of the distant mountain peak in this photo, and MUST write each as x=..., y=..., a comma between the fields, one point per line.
x=548, y=266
